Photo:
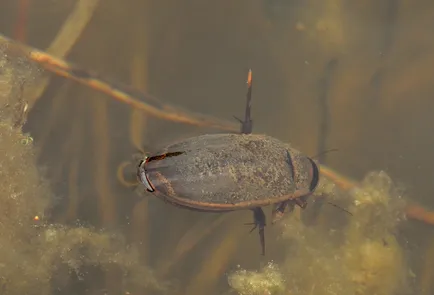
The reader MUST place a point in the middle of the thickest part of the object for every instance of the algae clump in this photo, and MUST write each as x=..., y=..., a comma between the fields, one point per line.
x=37, y=257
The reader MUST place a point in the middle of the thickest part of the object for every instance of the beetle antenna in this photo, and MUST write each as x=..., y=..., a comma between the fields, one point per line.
x=325, y=152
x=336, y=206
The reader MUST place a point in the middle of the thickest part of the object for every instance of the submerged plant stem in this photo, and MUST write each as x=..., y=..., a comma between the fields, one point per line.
x=65, y=39
x=122, y=93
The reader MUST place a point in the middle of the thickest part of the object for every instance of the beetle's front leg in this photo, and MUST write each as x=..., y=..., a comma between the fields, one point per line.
x=259, y=222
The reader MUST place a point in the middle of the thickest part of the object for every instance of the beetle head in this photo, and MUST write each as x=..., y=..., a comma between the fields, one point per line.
x=142, y=175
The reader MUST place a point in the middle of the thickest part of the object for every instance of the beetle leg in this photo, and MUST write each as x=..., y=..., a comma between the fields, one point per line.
x=247, y=124
x=279, y=210
x=301, y=202
x=260, y=222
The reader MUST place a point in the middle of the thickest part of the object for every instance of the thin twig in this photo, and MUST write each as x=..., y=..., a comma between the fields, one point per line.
x=120, y=92
x=412, y=211
x=65, y=40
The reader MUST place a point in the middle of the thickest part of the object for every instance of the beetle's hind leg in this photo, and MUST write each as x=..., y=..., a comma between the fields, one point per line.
x=259, y=221
x=279, y=208
x=247, y=124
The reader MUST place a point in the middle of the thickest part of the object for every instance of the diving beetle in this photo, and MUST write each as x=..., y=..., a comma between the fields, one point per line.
x=228, y=172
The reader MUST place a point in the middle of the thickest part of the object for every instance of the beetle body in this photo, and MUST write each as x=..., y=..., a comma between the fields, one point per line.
x=228, y=172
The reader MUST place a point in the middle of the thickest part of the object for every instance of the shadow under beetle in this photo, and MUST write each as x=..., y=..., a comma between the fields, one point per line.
x=228, y=172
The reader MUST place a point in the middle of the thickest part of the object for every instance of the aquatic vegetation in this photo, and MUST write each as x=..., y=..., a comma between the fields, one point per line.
x=268, y=281
x=35, y=255
x=364, y=69
x=359, y=254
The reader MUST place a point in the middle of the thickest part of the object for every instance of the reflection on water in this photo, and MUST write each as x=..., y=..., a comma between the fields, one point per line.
x=328, y=74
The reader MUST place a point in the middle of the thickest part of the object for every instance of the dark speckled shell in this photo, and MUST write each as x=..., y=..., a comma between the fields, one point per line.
x=230, y=169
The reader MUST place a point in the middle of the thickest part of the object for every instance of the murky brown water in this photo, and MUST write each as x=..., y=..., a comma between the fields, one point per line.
x=327, y=74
